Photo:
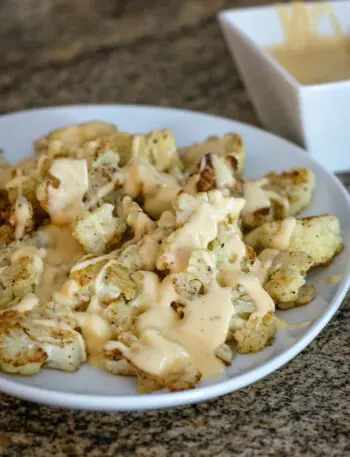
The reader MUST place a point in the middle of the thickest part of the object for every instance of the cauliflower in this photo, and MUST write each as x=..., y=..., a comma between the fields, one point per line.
x=201, y=265
x=7, y=234
x=155, y=188
x=97, y=229
x=187, y=286
x=106, y=277
x=255, y=334
x=118, y=363
x=28, y=343
x=64, y=201
x=296, y=185
x=281, y=195
x=286, y=278
x=120, y=316
x=228, y=145
x=18, y=352
x=74, y=136
x=21, y=268
x=205, y=213
x=143, y=254
x=225, y=354
x=22, y=217
x=158, y=148
x=318, y=236
x=215, y=172
x=136, y=218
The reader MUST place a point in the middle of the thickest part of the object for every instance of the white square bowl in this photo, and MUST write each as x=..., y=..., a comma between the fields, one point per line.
x=314, y=116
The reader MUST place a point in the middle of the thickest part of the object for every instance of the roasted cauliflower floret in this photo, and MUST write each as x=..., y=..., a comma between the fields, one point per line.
x=228, y=145
x=18, y=352
x=317, y=236
x=156, y=189
x=280, y=196
x=255, y=334
x=98, y=229
x=140, y=223
x=61, y=194
x=120, y=316
x=205, y=213
x=28, y=343
x=21, y=270
x=216, y=172
x=107, y=278
x=74, y=136
x=296, y=185
x=22, y=217
x=158, y=148
x=201, y=265
x=286, y=278
x=180, y=375
x=143, y=254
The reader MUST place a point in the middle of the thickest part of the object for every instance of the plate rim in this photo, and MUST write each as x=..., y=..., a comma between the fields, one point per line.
x=135, y=402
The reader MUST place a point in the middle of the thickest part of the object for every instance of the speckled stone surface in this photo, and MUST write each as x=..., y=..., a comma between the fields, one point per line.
x=171, y=53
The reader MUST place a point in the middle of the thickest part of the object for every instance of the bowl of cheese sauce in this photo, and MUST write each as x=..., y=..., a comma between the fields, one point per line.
x=295, y=62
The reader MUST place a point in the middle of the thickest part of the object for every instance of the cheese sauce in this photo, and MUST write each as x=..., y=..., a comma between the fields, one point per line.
x=258, y=198
x=284, y=233
x=96, y=332
x=309, y=56
x=255, y=197
x=64, y=203
x=192, y=338
x=196, y=233
x=22, y=216
x=158, y=189
x=61, y=251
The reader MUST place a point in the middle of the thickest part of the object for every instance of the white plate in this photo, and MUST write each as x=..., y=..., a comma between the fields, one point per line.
x=91, y=388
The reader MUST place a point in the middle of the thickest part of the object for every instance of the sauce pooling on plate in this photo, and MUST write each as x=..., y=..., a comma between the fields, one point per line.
x=308, y=55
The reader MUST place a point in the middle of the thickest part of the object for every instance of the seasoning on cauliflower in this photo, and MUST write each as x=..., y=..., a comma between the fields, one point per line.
x=98, y=229
x=255, y=334
x=286, y=279
x=21, y=269
x=27, y=344
x=106, y=277
x=318, y=236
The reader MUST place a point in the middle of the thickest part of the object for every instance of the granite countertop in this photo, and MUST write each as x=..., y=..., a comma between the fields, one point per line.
x=171, y=53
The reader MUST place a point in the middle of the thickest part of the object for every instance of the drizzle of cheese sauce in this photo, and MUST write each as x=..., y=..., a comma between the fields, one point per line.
x=22, y=216
x=284, y=233
x=255, y=197
x=258, y=198
x=96, y=332
x=194, y=338
x=264, y=263
x=61, y=250
x=196, y=233
x=284, y=202
x=158, y=189
x=65, y=202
